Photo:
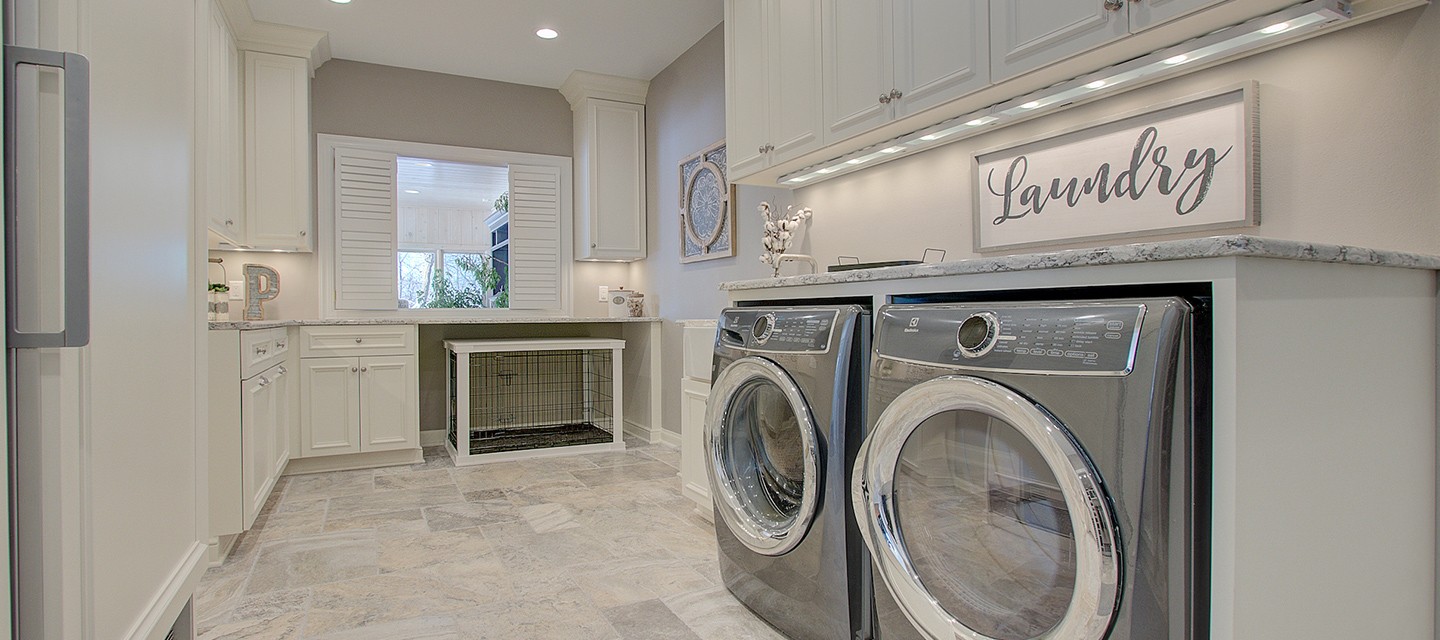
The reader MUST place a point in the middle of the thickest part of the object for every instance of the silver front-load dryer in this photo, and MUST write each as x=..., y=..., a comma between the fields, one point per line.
x=782, y=426
x=1029, y=471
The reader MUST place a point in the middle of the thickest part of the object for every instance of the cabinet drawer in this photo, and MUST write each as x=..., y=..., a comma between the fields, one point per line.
x=261, y=349
x=357, y=341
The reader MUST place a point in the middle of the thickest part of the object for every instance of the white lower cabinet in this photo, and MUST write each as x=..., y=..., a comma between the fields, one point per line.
x=358, y=403
x=699, y=349
x=250, y=426
x=264, y=438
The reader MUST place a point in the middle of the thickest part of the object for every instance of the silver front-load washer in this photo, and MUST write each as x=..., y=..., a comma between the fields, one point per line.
x=1029, y=471
x=782, y=426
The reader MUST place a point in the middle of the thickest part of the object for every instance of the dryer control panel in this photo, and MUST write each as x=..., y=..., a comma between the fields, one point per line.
x=778, y=330
x=1045, y=338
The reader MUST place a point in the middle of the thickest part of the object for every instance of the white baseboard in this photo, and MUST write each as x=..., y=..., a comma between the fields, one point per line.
x=636, y=430
x=432, y=438
x=670, y=437
x=350, y=461
x=701, y=497
x=219, y=549
x=171, y=599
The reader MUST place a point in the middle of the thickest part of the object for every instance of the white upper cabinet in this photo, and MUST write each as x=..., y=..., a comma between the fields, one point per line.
x=253, y=154
x=1028, y=34
x=890, y=59
x=609, y=165
x=1149, y=13
x=219, y=172
x=277, y=152
x=772, y=71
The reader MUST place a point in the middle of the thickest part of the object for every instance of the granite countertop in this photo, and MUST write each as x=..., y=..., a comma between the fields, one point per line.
x=267, y=324
x=1197, y=248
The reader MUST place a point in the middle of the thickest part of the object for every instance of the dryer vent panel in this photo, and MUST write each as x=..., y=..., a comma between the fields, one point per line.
x=550, y=398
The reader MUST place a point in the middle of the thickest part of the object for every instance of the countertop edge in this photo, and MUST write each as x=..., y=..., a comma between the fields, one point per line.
x=270, y=324
x=1169, y=250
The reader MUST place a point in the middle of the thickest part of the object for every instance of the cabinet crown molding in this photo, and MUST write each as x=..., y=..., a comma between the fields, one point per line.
x=586, y=84
x=279, y=39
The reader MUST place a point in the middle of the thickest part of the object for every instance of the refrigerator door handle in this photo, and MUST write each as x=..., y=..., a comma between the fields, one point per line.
x=75, y=331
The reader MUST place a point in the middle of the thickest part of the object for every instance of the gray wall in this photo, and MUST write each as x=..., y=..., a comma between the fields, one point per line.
x=684, y=113
x=375, y=101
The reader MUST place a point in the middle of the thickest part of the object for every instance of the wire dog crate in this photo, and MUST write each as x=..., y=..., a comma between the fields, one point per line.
x=523, y=398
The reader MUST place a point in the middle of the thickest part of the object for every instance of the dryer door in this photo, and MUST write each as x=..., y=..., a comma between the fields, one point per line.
x=985, y=519
x=763, y=456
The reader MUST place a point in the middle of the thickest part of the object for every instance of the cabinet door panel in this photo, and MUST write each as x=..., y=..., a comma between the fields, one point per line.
x=857, y=60
x=277, y=151
x=794, y=91
x=746, y=76
x=1028, y=34
x=257, y=427
x=617, y=191
x=942, y=51
x=1150, y=13
x=329, y=406
x=388, y=404
x=280, y=434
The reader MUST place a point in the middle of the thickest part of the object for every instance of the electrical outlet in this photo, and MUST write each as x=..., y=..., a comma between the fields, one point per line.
x=237, y=289
x=604, y=293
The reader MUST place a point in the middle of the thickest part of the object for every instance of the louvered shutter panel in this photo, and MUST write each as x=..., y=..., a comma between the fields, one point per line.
x=365, y=271
x=535, y=260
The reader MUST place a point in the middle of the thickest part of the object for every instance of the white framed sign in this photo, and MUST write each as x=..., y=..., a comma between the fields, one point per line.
x=1187, y=165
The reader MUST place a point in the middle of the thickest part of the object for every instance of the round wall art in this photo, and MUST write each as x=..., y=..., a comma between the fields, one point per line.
x=707, y=216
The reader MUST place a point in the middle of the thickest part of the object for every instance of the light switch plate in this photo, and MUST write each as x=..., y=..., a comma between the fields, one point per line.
x=604, y=294
x=237, y=289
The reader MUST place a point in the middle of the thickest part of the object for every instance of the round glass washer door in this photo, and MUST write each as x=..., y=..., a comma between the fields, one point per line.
x=762, y=454
x=984, y=518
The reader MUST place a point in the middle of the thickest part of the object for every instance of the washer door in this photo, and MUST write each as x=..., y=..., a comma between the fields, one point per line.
x=984, y=518
x=763, y=456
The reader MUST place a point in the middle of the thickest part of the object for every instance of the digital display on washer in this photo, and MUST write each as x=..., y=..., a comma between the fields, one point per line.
x=1077, y=338
x=782, y=330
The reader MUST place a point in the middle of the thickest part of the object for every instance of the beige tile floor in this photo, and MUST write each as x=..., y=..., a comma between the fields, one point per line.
x=592, y=547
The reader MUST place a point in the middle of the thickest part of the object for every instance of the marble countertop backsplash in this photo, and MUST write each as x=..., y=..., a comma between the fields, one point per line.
x=1197, y=248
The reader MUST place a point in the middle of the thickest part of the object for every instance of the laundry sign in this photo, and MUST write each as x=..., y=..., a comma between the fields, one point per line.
x=1186, y=166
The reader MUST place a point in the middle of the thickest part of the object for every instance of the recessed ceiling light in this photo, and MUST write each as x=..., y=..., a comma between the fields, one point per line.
x=341, y=1
x=548, y=33
x=412, y=191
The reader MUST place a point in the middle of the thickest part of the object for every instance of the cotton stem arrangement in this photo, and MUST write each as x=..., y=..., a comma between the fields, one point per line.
x=780, y=231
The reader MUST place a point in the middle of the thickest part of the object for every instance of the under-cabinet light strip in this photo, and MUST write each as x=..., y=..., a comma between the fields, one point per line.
x=1301, y=19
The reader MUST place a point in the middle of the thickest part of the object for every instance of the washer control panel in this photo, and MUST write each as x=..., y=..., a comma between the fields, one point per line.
x=1054, y=338
x=778, y=330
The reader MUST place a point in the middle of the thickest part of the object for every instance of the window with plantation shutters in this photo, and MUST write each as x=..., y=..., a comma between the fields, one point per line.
x=536, y=278
x=365, y=230
x=372, y=253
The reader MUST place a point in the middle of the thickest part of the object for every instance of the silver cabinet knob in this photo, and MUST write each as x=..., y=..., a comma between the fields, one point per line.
x=884, y=99
x=895, y=94
x=283, y=370
x=761, y=149
x=264, y=382
x=364, y=369
x=229, y=222
x=302, y=233
x=359, y=340
x=1113, y=5
x=354, y=369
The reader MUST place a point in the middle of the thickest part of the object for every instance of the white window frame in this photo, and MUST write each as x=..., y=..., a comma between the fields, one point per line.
x=326, y=144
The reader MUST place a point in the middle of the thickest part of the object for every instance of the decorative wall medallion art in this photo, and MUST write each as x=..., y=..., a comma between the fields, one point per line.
x=707, y=213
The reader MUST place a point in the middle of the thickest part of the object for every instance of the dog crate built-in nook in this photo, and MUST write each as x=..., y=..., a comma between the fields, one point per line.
x=521, y=398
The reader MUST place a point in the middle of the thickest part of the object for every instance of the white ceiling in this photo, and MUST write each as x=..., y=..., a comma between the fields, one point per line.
x=450, y=185
x=495, y=39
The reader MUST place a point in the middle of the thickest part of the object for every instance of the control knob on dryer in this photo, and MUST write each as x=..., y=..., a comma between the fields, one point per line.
x=977, y=334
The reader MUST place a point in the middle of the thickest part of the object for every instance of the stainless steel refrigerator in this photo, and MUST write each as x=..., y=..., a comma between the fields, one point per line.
x=103, y=317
